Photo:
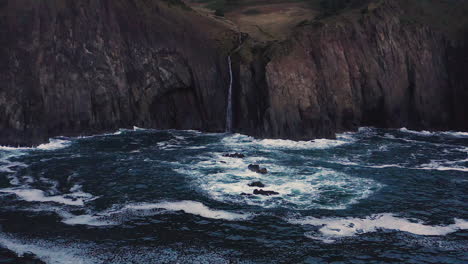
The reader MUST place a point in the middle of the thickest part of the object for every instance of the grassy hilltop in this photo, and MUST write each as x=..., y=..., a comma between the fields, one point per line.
x=275, y=19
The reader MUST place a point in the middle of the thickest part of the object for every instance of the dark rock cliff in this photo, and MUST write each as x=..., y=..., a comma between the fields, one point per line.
x=370, y=68
x=72, y=67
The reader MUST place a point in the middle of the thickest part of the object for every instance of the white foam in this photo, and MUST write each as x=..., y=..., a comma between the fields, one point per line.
x=300, y=188
x=429, y=133
x=34, y=195
x=10, y=148
x=419, y=133
x=239, y=140
x=384, y=166
x=71, y=251
x=190, y=207
x=463, y=149
x=332, y=228
x=118, y=214
x=196, y=147
x=314, y=144
x=366, y=129
x=46, y=252
x=89, y=220
x=440, y=165
x=455, y=134
x=347, y=162
x=390, y=136
x=171, y=144
x=135, y=128
x=444, y=165
x=54, y=144
x=10, y=164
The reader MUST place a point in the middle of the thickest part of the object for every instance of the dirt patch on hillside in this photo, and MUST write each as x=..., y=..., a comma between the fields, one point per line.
x=272, y=21
x=263, y=21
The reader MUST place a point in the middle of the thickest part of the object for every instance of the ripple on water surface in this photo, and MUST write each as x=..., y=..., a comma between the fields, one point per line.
x=137, y=179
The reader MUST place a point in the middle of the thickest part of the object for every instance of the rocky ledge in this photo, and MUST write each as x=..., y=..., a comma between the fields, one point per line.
x=79, y=67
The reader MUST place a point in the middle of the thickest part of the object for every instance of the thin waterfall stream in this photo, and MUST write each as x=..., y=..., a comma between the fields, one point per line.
x=229, y=102
x=229, y=110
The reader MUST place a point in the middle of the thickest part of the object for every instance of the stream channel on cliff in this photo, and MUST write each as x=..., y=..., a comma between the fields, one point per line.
x=151, y=196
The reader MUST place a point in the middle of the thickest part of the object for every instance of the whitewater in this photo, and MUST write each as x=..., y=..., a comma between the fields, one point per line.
x=166, y=196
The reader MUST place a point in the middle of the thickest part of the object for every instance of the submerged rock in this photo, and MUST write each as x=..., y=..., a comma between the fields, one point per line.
x=263, y=192
x=234, y=155
x=256, y=184
x=257, y=169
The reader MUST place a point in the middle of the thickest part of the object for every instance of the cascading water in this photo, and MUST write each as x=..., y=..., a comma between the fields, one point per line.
x=229, y=100
x=229, y=112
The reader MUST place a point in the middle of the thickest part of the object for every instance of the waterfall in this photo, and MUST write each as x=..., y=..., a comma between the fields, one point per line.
x=229, y=113
x=229, y=101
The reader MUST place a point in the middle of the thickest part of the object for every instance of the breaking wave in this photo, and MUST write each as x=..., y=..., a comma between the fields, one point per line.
x=434, y=133
x=74, y=252
x=53, y=144
x=190, y=207
x=239, y=140
x=334, y=228
x=120, y=214
x=77, y=198
x=303, y=187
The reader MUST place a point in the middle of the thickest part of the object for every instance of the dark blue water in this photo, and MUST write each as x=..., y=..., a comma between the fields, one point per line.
x=146, y=196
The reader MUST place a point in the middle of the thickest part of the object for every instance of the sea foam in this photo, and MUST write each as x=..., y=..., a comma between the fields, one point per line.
x=333, y=228
x=190, y=207
x=239, y=140
x=435, y=133
x=444, y=165
x=53, y=144
x=45, y=251
x=89, y=220
x=120, y=214
x=35, y=195
x=304, y=187
x=69, y=251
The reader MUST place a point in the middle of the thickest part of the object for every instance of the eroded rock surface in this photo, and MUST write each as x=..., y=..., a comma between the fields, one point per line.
x=77, y=67
x=81, y=67
x=373, y=70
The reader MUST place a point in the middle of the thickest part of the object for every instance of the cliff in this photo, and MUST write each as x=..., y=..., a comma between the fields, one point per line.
x=368, y=67
x=72, y=67
x=79, y=67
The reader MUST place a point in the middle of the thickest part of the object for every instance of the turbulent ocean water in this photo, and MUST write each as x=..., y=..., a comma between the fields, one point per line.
x=149, y=196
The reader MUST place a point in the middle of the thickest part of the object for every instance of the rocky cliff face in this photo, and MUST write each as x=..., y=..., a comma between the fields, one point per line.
x=72, y=67
x=368, y=69
x=76, y=67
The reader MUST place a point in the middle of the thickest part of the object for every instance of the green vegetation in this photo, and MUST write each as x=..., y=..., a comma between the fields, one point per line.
x=328, y=7
x=445, y=15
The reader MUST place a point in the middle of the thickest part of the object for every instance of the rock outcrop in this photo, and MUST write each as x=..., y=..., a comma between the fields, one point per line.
x=256, y=184
x=257, y=169
x=370, y=68
x=78, y=67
